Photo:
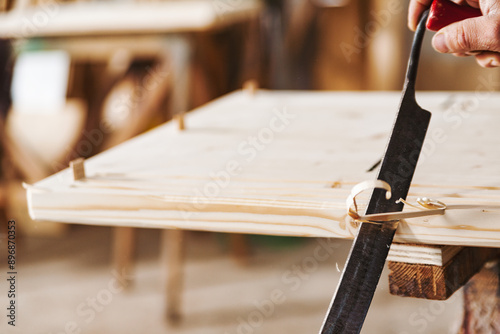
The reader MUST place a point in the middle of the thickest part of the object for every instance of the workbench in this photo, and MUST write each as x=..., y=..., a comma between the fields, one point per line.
x=283, y=163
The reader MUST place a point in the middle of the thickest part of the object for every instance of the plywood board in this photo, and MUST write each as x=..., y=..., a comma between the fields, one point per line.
x=435, y=255
x=283, y=163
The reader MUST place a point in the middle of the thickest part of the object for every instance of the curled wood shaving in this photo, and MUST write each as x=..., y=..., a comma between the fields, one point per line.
x=358, y=189
x=428, y=206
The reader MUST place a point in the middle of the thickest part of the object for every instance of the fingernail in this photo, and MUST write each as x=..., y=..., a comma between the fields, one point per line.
x=494, y=63
x=439, y=43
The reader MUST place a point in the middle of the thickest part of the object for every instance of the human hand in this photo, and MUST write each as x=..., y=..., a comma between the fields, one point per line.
x=479, y=36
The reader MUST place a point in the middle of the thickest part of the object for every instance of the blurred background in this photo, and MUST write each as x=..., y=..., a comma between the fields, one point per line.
x=78, y=77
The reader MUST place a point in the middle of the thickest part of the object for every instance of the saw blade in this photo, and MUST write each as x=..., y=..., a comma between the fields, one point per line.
x=366, y=260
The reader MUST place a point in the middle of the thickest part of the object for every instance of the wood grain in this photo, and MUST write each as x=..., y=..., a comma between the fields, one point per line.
x=438, y=282
x=283, y=163
x=436, y=255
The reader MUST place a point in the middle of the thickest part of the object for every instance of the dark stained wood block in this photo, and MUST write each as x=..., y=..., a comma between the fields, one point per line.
x=438, y=282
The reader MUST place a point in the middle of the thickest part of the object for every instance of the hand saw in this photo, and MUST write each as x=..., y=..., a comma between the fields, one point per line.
x=367, y=257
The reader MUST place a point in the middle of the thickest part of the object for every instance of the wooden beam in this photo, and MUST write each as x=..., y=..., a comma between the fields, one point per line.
x=438, y=282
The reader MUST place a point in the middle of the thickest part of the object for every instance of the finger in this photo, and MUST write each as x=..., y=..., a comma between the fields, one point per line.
x=467, y=54
x=461, y=54
x=488, y=59
x=473, y=3
x=472, y=53
x=415, y=11
x=473, y=34
x=489, y=6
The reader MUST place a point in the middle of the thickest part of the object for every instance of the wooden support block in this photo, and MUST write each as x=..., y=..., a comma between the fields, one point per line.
x=438, y=282
x=123, y=252
x=174, y=252
x=78, y=168
x=482, y=301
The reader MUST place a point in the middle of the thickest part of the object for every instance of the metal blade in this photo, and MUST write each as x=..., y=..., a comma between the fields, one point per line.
x=370, y=248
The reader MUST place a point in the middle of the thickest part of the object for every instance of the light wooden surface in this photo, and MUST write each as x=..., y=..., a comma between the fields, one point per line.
x=422, y=254
x=109, y=18
x=292, y=180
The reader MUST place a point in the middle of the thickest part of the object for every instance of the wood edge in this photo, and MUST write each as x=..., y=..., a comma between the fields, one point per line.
x=422, y=254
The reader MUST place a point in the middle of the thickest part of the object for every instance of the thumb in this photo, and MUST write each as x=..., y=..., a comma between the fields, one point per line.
x=474, y=34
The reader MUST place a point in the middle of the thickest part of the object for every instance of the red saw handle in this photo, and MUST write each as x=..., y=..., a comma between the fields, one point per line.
x=445, y=12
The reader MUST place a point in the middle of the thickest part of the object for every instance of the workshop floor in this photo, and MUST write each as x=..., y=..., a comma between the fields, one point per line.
x=67, y=286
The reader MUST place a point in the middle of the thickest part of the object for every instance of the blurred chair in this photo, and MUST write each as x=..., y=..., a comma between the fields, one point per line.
x=41, y=127
x=106, y=41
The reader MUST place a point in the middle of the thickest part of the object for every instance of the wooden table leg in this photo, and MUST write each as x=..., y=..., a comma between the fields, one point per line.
x=173, y=251
x=482, y=302
x=180, y=51
x=123, y=252
x=239, y=248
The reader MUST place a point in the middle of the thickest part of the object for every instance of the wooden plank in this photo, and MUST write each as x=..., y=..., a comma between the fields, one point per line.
x=283, y=163
x=438, y=282
x=97, y=18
